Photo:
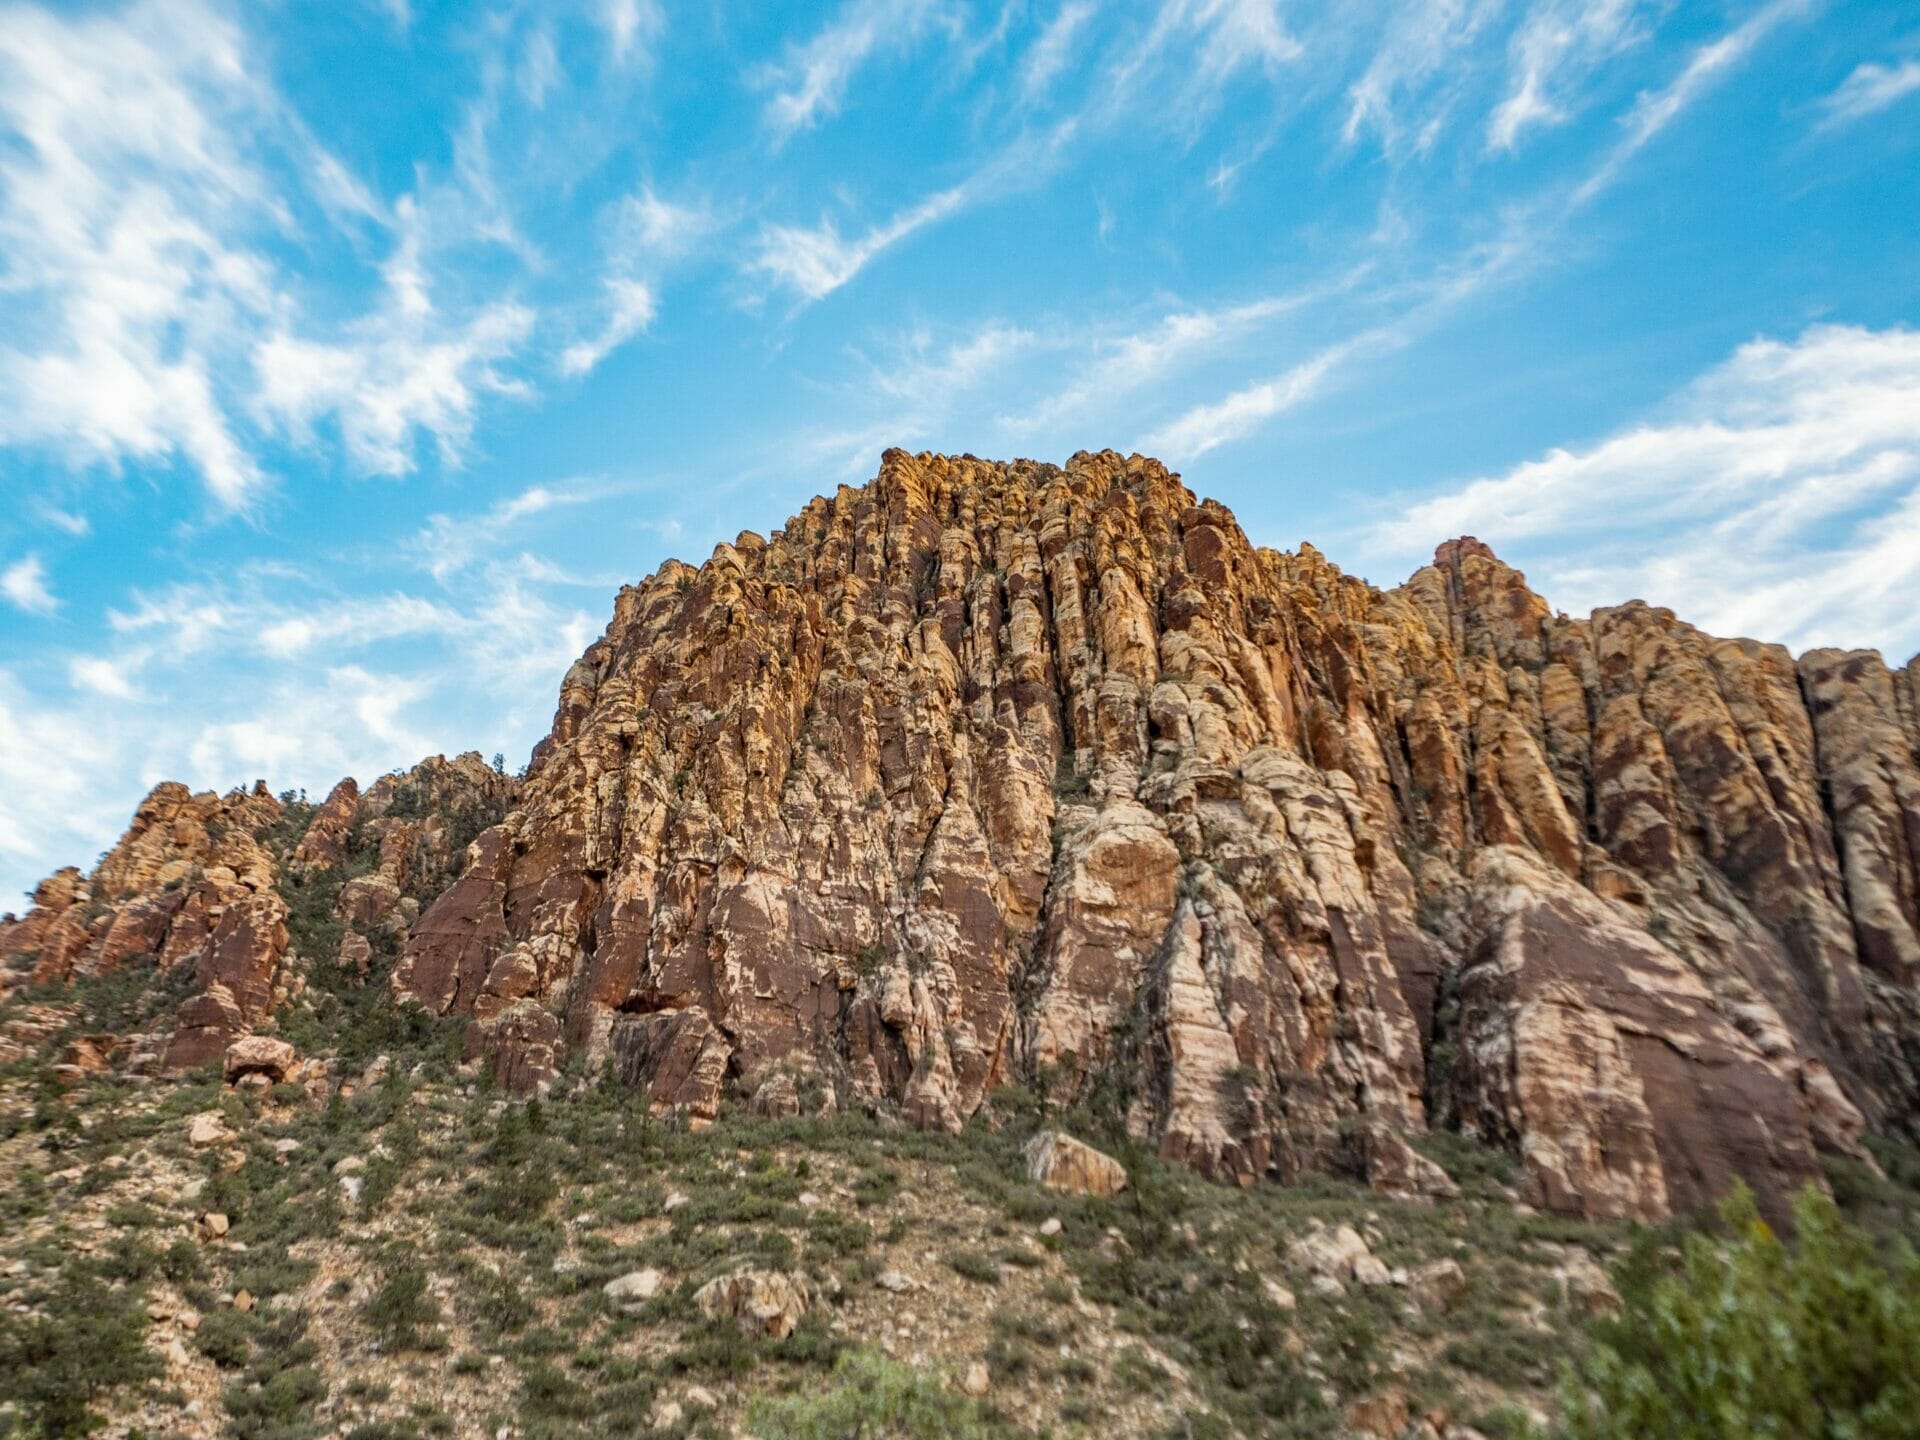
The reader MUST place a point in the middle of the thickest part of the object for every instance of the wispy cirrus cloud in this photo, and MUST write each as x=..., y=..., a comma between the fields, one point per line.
x=1522, y=241
x=449, y=544
x=1871, y=88
x=1557, y=45
x=1209, y=426
x=629, y=310
x=814, y=261
x=1409, y=84
x=631, y=26
x=149, y=178
x=1707, y=66
x=1125, y=363
x=1051, y=53
x=908, y=388
x=810, y=83
x=1790, y=459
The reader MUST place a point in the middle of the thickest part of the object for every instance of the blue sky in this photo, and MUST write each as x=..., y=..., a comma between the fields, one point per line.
x=352, y=354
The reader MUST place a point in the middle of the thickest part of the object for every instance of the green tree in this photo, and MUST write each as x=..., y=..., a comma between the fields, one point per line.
x=1755, y=1338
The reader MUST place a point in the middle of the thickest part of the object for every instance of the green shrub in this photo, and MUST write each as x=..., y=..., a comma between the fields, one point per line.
x=275, y=1399
x=88, y=1342
x=874, y=1396
x=1755, y=1337
x=401, y=1312
x=974, y=1266
x=222, y=1337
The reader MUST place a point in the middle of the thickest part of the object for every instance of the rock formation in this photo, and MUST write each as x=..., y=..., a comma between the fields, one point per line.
x=199, y=889
x=989, y=772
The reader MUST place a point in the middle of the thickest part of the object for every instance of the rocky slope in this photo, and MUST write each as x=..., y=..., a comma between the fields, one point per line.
x=986, y=772
x=202, y=888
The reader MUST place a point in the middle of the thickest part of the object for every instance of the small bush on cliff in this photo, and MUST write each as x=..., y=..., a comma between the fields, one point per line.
x=873, y=1395
x=1753, y=1336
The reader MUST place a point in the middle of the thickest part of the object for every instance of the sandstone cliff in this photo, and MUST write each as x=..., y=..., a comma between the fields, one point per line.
x=986, y=772
x=202, y=889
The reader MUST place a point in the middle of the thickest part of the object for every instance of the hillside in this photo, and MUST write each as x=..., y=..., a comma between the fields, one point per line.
x=984, y=799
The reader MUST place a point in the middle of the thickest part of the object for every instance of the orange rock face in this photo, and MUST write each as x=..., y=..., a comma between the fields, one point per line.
x=188, y=889
x=1004, y=771
x=989, y=772
x=198, y=889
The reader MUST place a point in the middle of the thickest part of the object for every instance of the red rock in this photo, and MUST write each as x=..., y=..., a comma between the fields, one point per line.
x=985, y=772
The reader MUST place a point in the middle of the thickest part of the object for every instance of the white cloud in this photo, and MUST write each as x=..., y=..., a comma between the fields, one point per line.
x=1125, y=364
x=910, y=392
x=150, y=176
x=540, y=70
x=119, y=179
x=630, y=309
x=1236, y=34
x=345, y=720
x=450, y=544
x=103, y=677
x=926, y=374
x=1206, y=427
x=1560, y=42
x=811, y=83
x=1051, y=53
x=1185, y=60
x=24, y=584
x=1869, y=89
x=648, y=227
x=1778, y=496
x=817, y=261
x=276, y=674
x=73, y=524
x=630, y=25
x=53, y=761
x=402, y=368
x=1706, y=66
x=1423, y=42
x=1523, y=239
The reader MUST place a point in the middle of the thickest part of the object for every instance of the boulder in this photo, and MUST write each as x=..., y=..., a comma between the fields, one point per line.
x=259, y=1055
x=764, y=1302
x=1060, y=1162
x=1438, y=1285
x=634, y=1289
x=1584, y=1285
x=208, y=1129
x=1335, y=1250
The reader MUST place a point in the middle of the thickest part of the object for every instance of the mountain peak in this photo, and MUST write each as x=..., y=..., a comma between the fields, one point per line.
x=995, y=771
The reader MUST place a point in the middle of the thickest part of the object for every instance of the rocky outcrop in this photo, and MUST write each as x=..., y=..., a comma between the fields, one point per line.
x=198, y=890
x=762, y=1302
x=1061, y=1162
x=986, y=773
x=188, y=889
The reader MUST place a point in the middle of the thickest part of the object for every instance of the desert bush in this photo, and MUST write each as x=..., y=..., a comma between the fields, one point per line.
x=1754, y=1336
x=87, y=1341
x=874, y=1396
x=401, y=1311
